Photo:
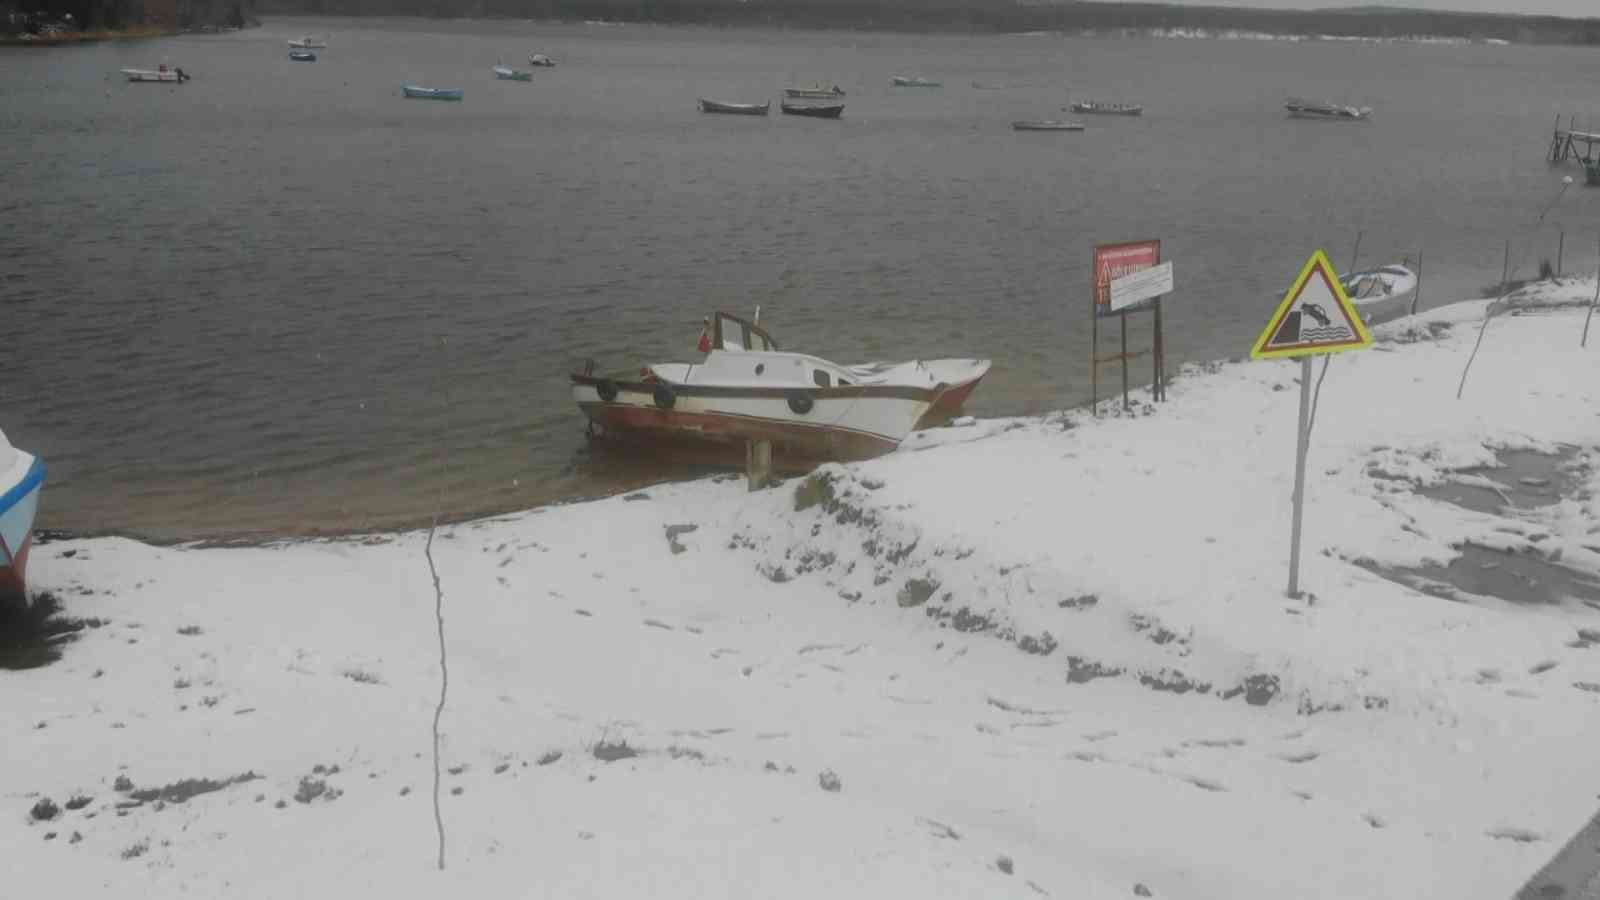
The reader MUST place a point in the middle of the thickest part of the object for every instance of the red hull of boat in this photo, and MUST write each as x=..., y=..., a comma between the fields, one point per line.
x=792, y=444
x=13, y=578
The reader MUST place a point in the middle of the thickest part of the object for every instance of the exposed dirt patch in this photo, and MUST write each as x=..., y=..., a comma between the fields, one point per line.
x=1258, y=690
x=612, y=751
x=916, y=592
x=1173, y=681
x=672, y=536
x=186, y=789
x=1081, y=670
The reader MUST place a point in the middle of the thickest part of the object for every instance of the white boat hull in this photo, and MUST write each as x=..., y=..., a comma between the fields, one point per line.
x=1381, y=294
x=21, y=481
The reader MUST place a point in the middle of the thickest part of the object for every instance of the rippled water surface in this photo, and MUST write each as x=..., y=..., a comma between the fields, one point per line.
x=281, y=298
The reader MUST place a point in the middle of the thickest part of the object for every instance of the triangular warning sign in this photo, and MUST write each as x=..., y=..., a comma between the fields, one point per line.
x=1315, y=317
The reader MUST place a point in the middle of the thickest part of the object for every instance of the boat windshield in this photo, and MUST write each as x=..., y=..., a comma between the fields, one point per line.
x=729, y=332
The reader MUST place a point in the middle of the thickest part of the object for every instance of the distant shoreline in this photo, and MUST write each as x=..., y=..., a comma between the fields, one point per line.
x=141, y=32
x=1097, y=19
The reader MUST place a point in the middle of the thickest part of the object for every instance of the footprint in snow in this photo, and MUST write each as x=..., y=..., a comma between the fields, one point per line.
x=1299, y=756
x=1099, y=735
x=1215, y=742
x=1520, y=835
x=1205, y=784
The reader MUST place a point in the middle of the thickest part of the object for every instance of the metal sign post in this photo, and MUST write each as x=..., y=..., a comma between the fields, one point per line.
x=1128, y=277
x=1314, y=318
x=1301, y=446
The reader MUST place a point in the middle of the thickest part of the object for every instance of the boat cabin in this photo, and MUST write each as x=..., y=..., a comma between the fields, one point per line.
x=743, y=354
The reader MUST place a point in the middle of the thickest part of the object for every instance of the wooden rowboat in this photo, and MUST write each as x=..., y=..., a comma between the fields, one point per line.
x=426, y=93
x=1093, y=107
x=506, y=73
x=735, y=109
x=814, y=110
x=1046, y=125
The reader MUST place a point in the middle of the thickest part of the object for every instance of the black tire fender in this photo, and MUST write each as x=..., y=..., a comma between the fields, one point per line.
x=607, y=390
x=664, y=396
x=800, y=404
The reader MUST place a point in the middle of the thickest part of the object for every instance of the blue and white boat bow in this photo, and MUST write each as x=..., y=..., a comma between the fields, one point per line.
x=21, y=480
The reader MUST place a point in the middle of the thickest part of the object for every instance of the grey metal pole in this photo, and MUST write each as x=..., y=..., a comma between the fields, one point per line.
x=1505, y=269
x=1301, y=444
x=1561, y=249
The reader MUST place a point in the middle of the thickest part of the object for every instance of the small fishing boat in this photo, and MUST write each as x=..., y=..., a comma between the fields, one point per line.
x=427, y=93
x=21, y=480
x=302, y=56
x=1097, y=108
x=735, y=109
x=814, y=110
x=506, y=73
x=161, y=74
x=1383, y=293
x=1046, y=125
x=815, y=92
x=1308, y=109
x=309, y=42
x=539, y=59
x=747, y=389
x=913, y=81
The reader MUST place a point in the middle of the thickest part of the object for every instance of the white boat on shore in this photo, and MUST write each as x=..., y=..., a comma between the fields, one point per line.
x=21, y=481
x=746, y=389
x=914, y=81
x=164, y=74
x=309, y=42
x=1383, y=293
x=539, y=59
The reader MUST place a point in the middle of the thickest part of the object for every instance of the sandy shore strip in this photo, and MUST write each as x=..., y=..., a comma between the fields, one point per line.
x=1041, y=657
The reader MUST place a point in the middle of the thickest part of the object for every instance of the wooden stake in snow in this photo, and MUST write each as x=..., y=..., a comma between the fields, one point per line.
x=1590, y=314
x=1315, y=318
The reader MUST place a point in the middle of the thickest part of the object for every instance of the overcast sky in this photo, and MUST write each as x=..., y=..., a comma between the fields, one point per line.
x=1571, y=8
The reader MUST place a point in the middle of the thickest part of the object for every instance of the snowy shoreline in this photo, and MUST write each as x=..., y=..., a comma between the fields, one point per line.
x=1030, y=657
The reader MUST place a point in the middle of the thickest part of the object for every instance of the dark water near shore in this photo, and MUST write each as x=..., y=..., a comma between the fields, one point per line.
x=283, y=298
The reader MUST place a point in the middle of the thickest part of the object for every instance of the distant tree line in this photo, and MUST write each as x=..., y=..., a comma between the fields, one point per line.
x=984, y=15
x=112, y=15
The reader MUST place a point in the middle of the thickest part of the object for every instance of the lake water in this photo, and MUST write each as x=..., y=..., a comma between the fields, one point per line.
x=281, y=298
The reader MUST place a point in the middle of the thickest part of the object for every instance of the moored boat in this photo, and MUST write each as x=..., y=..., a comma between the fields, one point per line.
x=1046, y=125
x=814, y=92
x=506, y=73
x=747, y=389
x=309, y=42
x=814, y=110
x=539, y=59
x=302, y=56
x=735, y=109
x=417, y=92
x=21, y=480
x=913, y=81
x=1098, y=108
x=1381, y=294
x=1309, y=109
x=162, y=74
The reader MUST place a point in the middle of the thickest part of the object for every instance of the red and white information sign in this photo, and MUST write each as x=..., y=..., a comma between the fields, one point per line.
x=1113, y=261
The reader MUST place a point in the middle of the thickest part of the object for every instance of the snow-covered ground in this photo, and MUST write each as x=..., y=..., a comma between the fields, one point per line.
x=1038, y=657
